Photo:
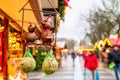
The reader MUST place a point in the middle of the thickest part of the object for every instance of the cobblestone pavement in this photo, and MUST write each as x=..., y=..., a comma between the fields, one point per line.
x=73, y=71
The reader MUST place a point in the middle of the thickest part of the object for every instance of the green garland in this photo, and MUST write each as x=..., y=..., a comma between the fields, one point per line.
x=39, y=57
x=61, y=9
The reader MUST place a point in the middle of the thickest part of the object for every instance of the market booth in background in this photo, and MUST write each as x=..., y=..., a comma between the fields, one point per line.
x=83, y=49
x=87, y=50
x=60, y=46
x=99, y=45
x=107, y=46
x=109, y=42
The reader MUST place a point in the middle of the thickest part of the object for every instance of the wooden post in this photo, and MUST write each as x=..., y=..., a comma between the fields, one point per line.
x=22, y=45
x=40, y=8
x=5, y=48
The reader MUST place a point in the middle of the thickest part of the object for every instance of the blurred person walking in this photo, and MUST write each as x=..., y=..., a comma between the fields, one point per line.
x=91, y=62
x=73, y=55
x=114, y=57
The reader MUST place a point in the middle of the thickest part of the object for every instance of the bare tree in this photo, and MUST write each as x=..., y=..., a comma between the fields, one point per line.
x=70, y=43
x=112, y=8
x=103, y=20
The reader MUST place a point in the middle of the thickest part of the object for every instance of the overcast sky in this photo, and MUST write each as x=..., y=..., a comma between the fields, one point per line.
x=73, y=26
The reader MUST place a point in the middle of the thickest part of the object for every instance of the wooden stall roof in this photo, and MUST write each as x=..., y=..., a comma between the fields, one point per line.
x=12, y=7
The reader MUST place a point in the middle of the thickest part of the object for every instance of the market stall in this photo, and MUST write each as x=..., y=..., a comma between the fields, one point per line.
x=99, y=46
x=24, y=27
x=108, y=44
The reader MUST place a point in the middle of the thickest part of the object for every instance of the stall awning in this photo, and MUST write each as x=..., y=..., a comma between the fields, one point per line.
x=116, y=41
x=99, y=44
x=112, y=41
x=12, y=7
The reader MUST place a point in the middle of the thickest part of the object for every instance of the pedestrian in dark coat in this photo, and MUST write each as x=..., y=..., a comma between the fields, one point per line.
x=114, y=56
x=73, y=55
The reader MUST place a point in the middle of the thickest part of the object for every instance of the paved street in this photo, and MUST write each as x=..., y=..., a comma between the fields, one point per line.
x=73, y=71
x=65, y=72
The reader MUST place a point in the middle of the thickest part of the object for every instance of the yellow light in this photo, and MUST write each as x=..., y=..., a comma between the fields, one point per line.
x=1, y=28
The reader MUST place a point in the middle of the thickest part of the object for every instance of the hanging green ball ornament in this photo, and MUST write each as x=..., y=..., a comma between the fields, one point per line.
x=27, y=64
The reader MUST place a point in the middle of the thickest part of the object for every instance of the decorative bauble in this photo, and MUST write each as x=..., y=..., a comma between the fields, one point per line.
x=46, y=24
x=31, y=37
x=50, y=64
x=31, y=28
